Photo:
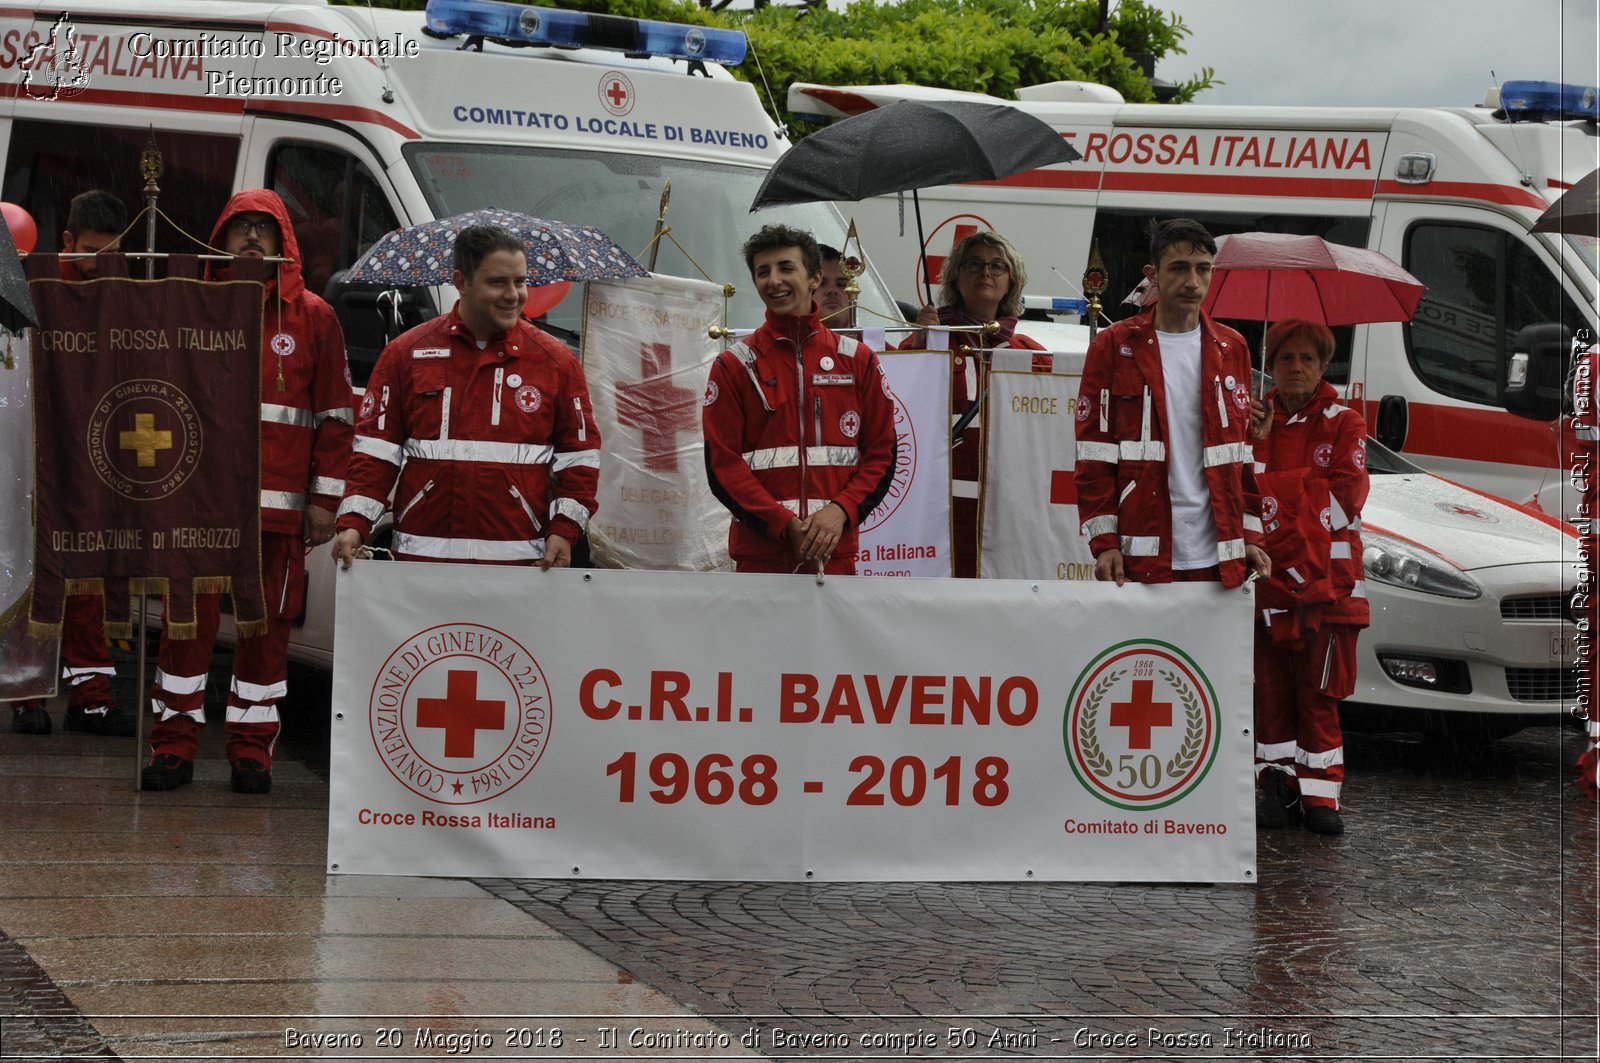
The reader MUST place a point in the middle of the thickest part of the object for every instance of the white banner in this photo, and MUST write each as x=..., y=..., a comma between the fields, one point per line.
x=27, y=666
x=646, y=356
x=909, y=533
x=515, y=723
x=1029, y=505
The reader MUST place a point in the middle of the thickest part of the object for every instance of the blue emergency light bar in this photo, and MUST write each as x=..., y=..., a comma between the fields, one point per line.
x=1055, y=304
x=1544, y=101
x=556, y=28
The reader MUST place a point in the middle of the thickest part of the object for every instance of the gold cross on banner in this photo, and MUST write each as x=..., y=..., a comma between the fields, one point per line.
x=144, y=440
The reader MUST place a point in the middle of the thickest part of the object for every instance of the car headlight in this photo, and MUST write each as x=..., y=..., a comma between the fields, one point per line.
x=1400, y=564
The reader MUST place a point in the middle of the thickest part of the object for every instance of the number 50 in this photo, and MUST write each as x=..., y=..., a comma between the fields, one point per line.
x=1146, y=773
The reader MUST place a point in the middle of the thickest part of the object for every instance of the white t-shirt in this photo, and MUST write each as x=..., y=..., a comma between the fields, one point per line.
x=1194, y=529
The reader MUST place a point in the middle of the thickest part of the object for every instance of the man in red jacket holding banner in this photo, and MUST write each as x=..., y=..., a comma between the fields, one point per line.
x=306, y=433
x=479, y=426
x=95, y=222
x=798, y=422
x=1165, y=484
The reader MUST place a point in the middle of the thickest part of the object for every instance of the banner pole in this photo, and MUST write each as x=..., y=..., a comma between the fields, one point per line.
x=151, y=168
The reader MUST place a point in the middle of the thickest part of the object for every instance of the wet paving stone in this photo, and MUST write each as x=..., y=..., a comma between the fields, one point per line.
x=1457, y=916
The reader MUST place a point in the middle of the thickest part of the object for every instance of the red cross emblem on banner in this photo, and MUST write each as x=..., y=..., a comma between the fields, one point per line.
x=657, y=407
x=461, y=714
x=1063, y=488
x=936, y=262
x=1141, y=715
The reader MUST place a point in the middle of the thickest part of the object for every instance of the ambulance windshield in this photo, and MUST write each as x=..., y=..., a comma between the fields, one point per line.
x=1588, y=251
x=619, y=195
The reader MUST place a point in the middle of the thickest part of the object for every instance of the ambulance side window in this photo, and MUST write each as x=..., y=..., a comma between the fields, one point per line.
x=47, y=163
x=337, y=207
x=1484, y=286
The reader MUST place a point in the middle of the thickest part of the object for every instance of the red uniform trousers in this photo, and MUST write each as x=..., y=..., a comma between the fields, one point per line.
x=1297, y=709
x=260, y=666
x=85, y=655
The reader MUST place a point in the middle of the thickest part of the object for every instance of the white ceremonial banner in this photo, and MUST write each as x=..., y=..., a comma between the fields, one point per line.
x=909, y=533
x=752, y=727
x=646, y=356
x=27, y=665
x=1028, y=509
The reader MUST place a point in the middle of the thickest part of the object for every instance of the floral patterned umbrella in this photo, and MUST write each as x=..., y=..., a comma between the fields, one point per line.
x=557, y=251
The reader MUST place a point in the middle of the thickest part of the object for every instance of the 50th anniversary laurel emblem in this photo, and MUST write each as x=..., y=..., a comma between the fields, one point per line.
x=460, y=713
x=1141, y=725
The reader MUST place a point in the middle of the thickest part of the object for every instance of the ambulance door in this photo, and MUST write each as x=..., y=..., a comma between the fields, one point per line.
x=1434, y=384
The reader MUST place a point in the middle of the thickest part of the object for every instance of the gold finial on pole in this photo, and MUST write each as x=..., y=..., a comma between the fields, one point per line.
x=151, y=168
x=1094, y=283
x=852, y=263
x=661, y=224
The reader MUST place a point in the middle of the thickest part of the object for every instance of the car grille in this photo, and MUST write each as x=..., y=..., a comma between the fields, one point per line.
x=1536, y=607
x=1542, y=684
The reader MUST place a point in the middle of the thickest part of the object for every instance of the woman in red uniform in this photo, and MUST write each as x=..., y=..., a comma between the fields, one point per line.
x=1311, y=469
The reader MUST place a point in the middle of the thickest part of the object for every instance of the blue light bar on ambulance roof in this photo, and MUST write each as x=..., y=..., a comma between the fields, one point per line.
x=1543, y=101
x=517, y=24
x=1055, y=304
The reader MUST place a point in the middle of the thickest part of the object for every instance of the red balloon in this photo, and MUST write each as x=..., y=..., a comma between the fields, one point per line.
x=24, y=233
x=543, y=298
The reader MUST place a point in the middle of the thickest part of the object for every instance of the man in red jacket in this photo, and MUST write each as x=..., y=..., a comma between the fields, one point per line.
x=483, y=421
x=799, y=426
x=305, y=449
x=1165, y=484
x=95, y=222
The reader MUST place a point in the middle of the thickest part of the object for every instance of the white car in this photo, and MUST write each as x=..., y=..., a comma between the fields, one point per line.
x=1472, y=628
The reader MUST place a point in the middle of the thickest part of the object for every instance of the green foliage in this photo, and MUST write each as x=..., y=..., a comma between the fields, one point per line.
x=988, y=46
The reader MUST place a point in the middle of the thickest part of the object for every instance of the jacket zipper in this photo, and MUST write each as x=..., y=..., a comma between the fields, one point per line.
x=499, y=381
x=800, y=401
x=444, y=415
x=1222, y=407
x=523, y=502
x=414, y=500
x=383, y=407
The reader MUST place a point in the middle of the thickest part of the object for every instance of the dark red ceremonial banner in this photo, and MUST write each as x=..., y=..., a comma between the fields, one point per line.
x=148, y=429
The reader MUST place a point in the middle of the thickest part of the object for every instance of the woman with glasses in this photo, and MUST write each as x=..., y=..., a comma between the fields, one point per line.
x=982, y=281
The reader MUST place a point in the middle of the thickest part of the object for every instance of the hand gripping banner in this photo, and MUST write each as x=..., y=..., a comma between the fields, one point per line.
x=147, y=414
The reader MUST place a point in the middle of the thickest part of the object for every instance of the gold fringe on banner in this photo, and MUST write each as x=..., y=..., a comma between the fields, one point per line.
x=212, y=585
x=250, y=629
x=37, y=630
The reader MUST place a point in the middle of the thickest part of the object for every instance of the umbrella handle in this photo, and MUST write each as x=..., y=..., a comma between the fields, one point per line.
x=922, y=249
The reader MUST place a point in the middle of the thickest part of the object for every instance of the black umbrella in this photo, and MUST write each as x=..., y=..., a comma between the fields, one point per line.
x=908, y=145
x=1577, y=212
x=16, y=305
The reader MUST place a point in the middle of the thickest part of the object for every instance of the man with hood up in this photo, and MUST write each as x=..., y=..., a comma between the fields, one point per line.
x=306, y=436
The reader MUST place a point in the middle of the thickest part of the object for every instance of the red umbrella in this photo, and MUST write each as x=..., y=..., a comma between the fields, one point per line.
x=1274, y=276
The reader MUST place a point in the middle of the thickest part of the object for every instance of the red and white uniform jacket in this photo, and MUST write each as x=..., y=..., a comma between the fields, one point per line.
x=306, y=426
x=494, y=449
x=1312, y=471
x=796, y=417
x=1121, y=472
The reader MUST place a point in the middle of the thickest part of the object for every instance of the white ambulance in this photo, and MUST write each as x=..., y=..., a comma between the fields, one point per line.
x=1449, y=193
x=364, y=120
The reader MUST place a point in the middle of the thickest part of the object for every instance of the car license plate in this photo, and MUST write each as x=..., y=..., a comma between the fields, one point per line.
x=1564, y=648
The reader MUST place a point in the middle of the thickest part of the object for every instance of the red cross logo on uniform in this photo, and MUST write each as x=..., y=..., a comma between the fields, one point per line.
x=461, y=714
x=657, y=407
x=1141, y=715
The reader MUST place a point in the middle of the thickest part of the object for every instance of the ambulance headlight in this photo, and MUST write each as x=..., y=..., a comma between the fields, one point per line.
x=1400, y=564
